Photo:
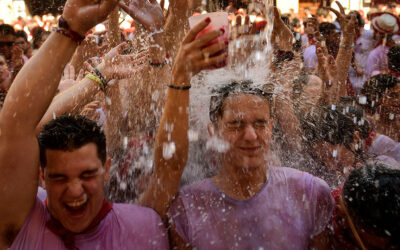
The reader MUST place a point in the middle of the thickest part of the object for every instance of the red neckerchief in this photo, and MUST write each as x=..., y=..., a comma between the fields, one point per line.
x=311, y=40
x=67, y=236
x=368, y=141
x=342, y=234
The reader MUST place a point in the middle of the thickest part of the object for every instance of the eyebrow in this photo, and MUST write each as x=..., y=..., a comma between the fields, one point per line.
x=92, y=171
x=54, y=176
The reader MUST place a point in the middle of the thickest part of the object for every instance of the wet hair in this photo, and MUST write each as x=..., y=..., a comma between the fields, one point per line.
x=326, y=28
x=376, y=87
x=6, y=29
x=218, y=96
x=372, y=197
x=325, y=124
x=394, y=58
x=70, y=132
x=21, y=33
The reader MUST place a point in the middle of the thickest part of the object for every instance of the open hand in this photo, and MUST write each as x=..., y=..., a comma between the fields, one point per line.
x=118, y=66
x=281, y=32
x=82, y=15
x=146, y=12
x=69, y=79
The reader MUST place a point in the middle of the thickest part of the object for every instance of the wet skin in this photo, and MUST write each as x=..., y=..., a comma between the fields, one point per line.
x=247, y=126
x=74, y=184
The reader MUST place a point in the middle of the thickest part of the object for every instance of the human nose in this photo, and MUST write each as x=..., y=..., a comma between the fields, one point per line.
x=249, y=133
x=75, y=188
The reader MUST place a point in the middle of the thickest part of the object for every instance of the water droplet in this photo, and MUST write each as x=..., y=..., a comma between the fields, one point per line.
x=168, y=150
x=334, y=153
x=362, y=100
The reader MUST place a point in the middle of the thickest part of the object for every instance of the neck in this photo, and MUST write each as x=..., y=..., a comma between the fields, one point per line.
x=241, y=183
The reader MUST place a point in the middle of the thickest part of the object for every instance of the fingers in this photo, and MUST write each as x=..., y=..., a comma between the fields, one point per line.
x=88, y=67
x=212, y=61
x=214, y=49
x=196, y=30
x=80, y=75
x=340, y=7
x=207, y=37
x=71, y=72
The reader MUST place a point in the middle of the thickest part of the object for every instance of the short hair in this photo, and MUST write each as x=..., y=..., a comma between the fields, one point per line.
x=70, y=132
x=21, y=33
x=394, y=58
x=219, y=95
x=376, y=87
x=326, y=28
x=325, y=124
x=372, y=197
x=6, y=29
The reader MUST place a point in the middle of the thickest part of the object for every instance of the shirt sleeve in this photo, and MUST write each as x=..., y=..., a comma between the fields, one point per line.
x=323, y=207
x=178, y=217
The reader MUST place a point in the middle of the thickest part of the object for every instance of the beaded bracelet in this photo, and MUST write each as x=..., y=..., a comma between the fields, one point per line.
x=179, y=87
x=160, y=64
x=102, y=79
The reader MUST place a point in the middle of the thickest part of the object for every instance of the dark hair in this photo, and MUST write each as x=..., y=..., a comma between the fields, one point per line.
x=376, y=87
x=70, y=132
x=38, y=34
x=394, y=58
x=326, y=28
x=6, y=29
x=360, y=21
x=21, y=33
x=325, y=124
x=372, y=197
x=219, y=95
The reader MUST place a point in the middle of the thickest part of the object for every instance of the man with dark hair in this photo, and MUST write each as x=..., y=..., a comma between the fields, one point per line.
x=367, y=212
x=72, y=155
x=13, y=54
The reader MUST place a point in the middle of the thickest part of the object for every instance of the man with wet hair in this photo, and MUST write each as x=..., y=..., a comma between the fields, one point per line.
x=367, y=212
x=242, y=206
x=72, y=155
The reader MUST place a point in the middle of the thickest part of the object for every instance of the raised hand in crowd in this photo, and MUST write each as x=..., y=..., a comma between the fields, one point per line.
x=69, y=78
x=193, y=56
x=90, y=110
x=147, y=13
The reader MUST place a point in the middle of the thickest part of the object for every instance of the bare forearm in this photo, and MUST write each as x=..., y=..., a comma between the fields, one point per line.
x=71, y=100
x=35, y=85
x=343, y=62
x=172, y=133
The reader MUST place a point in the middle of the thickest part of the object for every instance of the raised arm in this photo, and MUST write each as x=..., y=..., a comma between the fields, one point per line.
x=27, y=101
x=171, y=144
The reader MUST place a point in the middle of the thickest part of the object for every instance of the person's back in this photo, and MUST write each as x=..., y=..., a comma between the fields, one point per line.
x=291, y=206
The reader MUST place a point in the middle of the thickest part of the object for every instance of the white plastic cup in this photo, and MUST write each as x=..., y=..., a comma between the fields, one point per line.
x=219, y=20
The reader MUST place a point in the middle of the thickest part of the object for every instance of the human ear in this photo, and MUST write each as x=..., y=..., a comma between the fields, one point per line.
x=41, y=177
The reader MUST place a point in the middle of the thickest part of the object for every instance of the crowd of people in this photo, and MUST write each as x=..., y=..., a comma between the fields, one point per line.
x=99, y=128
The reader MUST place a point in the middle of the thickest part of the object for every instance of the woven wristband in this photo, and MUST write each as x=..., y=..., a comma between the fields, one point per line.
x=64, y=29
x=179, y=87
x=99, y=75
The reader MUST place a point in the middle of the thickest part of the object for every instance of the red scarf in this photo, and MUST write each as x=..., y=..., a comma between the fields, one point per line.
x=368, y=141
x=67, y=236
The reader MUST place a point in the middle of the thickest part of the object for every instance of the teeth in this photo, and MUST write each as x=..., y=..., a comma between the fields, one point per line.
x=77, y=203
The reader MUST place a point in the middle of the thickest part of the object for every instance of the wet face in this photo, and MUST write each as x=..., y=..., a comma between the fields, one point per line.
x=334, y=157
x=247, y=126
x=74, y=183
x=6, y=44
x=3, y=68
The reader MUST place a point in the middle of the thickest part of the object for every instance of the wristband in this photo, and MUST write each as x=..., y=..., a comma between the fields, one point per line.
x=96, y=79
x=64, y=29
x=179, y=87
x=101, y=77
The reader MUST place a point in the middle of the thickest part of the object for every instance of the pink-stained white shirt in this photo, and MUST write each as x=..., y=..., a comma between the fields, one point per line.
x=126, y=226
x=291, y=207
